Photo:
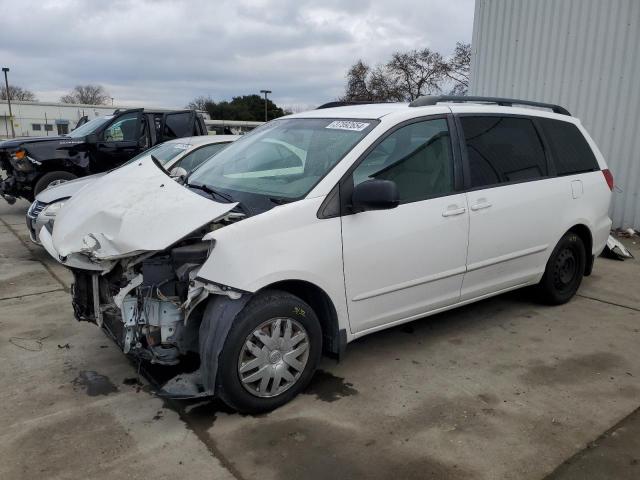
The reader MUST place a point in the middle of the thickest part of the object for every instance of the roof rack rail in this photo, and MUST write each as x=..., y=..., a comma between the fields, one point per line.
x=507, y=102
x=347, y=103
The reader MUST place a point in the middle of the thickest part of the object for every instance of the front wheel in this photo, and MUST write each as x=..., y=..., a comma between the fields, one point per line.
x=270, y=354
x=564, y=271
x=51, y=179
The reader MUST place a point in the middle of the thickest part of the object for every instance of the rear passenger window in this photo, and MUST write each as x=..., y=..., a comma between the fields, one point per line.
x=503, y=150
x=178, y=125
x=416, y=157
x=571, y=152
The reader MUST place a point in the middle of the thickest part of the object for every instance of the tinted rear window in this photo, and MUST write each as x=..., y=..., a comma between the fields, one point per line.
x=178, y=125
x=571, y=152
x=503, y=150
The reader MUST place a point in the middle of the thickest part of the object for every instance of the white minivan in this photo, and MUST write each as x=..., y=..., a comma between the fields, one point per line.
x=321, y=227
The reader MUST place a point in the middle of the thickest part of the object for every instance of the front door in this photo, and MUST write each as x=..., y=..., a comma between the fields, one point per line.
x=402, y=263
x=119, y=142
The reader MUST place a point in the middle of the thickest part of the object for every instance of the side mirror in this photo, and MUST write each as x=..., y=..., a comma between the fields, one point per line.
x=375, y=195
x=92, y=138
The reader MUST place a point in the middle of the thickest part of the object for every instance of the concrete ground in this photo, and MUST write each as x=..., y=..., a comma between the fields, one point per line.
x=504, y=388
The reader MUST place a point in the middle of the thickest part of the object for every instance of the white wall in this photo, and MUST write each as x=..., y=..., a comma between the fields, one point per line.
x=581, y=54
x=25, y=114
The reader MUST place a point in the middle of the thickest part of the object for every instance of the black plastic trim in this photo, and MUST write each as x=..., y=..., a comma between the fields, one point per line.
x=346, y=104
x=330, y=207
x=505, y=102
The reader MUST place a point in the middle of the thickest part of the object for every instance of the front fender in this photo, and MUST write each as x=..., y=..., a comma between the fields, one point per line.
x=286, y=243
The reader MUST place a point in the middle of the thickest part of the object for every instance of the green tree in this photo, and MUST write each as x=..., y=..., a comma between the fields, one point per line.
x=245, y=107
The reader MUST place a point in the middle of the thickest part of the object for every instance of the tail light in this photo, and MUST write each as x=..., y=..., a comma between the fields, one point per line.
x=608, y=176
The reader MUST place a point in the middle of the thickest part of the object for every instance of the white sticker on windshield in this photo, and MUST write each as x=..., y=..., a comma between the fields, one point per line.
x=348, y=125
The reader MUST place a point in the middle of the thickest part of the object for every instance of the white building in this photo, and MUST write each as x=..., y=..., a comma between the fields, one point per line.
x=229, y=127
x=583, y=55
x=39, y=119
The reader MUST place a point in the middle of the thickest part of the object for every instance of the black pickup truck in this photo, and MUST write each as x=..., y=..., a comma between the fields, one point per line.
x=33, y=164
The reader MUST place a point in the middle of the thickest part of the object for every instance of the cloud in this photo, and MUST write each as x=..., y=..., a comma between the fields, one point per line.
x=164, y=53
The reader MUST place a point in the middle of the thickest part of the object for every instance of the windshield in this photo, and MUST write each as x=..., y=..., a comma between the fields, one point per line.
x=164, y=152
x=89, y=127
x=284, y=158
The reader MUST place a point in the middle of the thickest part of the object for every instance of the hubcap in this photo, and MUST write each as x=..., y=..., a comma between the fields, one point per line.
x=565, y=268
x=273, y=357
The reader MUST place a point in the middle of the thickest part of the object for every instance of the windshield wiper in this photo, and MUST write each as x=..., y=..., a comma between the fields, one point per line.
x=211, y=191
x=280, y=200
x=158, y=164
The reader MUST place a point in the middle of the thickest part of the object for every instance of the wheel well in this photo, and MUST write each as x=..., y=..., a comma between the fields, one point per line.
x=332, y=341
x=585, y=235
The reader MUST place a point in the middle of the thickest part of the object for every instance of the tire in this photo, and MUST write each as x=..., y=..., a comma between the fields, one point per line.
x=564, y=271
x=262, y=314
x=50, y=178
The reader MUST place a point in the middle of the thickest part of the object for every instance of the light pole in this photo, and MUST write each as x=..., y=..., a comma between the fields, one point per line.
x=6, y=82
x=266, y=92
x=111, y=101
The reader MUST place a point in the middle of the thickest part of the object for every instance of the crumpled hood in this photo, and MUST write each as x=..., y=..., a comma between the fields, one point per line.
x=133, y=209
x=67, y=189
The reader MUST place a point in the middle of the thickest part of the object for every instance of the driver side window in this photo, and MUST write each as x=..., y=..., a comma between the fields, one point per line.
x=417, y=157
x=123, y=129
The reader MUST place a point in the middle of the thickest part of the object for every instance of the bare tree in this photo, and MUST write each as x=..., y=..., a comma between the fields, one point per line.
x=357, y=88
x=17, y=93
x=405, y=77
x=458, y=68
x=416, y=73
x=199, y=103
x=366, y=84
x=87, y=94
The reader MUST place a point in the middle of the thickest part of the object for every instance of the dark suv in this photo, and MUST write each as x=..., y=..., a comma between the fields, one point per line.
x=33, y=164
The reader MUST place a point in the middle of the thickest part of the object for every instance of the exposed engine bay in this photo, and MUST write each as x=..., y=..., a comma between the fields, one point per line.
x=152, y=305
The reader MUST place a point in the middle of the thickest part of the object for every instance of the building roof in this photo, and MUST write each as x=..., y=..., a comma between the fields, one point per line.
x=61, y=104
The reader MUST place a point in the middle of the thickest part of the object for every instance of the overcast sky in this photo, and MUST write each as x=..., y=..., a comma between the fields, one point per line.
x=164, y=53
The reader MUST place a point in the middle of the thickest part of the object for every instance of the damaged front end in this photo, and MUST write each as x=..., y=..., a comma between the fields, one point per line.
x=135, y=272
x=152, y=306
x=20, y=169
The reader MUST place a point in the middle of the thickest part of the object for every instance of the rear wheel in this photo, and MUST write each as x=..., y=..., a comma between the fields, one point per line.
x=51, y=179
x=564, y=271
x=270, y=354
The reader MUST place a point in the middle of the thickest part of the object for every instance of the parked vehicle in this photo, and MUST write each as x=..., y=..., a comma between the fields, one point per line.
x=33, y=164
x=321, y=227
x=182, y=153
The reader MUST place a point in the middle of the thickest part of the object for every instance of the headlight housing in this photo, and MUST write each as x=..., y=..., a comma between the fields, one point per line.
x=20, y=161
x=52, y=209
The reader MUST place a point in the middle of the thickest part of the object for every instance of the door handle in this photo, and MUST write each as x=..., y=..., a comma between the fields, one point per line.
x=480, y=206
x=454, y=211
